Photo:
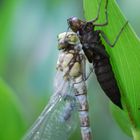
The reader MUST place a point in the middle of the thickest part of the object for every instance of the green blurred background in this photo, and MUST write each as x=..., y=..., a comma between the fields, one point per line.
x=28, y=55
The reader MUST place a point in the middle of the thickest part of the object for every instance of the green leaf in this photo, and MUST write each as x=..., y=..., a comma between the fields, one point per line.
x=122, y=119
x=11, y=122
x=125, y=60
x=7, y=10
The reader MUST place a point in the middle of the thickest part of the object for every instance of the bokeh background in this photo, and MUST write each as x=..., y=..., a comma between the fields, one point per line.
x=28, y=55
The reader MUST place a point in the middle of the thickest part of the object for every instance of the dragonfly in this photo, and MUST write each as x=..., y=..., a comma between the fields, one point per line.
x=68, y=105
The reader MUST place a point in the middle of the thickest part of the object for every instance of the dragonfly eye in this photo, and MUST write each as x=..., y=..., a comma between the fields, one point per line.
x=67, y=39
x=73, y=39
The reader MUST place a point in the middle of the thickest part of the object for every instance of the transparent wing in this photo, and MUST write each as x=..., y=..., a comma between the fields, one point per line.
x=59, y=118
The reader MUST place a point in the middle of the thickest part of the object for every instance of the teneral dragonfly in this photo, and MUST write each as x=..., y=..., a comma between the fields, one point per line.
x=59, y=118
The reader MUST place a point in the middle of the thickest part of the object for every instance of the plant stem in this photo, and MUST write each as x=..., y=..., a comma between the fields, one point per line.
x=136, y=133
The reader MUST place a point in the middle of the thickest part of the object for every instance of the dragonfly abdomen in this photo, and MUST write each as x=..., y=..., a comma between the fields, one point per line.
x=83, y=108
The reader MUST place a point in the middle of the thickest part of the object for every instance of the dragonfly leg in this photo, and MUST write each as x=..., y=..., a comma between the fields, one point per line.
x=117, y=37
x=88, y=75
x=97, y=16
x=106, y=14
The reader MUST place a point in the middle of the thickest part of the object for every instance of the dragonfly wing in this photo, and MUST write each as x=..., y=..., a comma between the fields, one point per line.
x=58, y=119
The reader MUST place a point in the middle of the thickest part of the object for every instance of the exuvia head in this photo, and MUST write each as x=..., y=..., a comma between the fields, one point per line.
x=77, y=25
x=74, y=23
x=67, y=40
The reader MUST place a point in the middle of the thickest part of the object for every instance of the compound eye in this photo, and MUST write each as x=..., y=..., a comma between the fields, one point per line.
x=72, y=39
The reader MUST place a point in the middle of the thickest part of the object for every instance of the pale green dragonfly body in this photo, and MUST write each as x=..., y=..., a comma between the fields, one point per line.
x=60, y=117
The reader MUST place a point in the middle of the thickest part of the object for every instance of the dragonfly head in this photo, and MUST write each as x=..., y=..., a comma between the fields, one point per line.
x=67, y=40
